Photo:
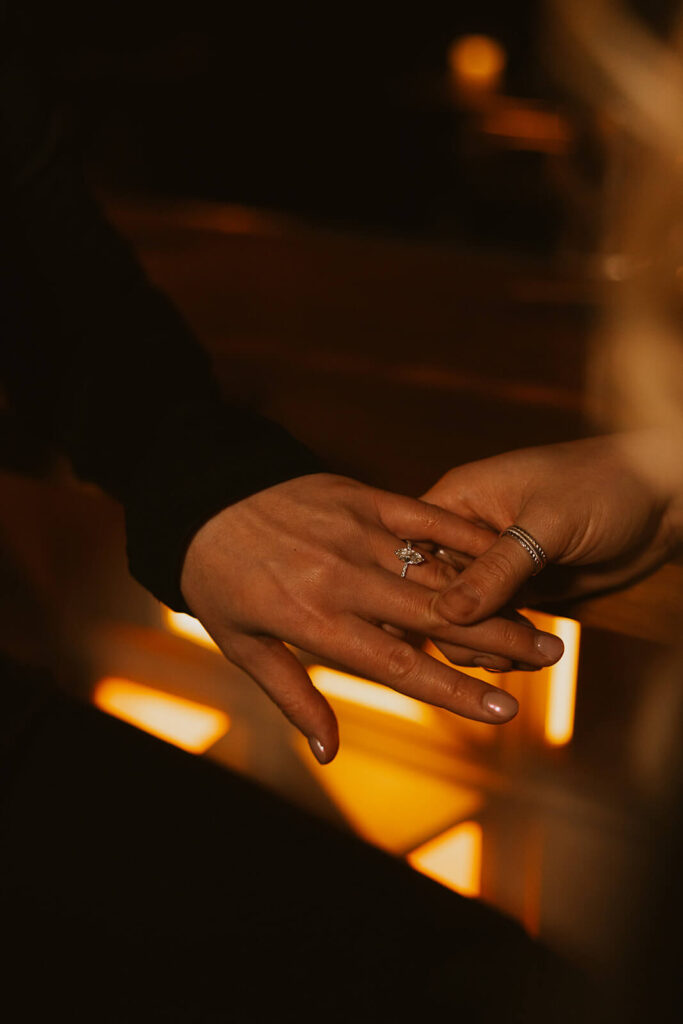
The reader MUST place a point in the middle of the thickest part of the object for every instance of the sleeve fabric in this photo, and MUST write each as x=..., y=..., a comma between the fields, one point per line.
x=98, y=363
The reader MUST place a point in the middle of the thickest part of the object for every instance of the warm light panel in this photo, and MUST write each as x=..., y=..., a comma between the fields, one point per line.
x=561, y=700
x=185, y=723
x=367, y=694
x=526, y=127
x=188, y=627
x=191, y=629
x=453, y=858
x=556, y=714
x=389, y=802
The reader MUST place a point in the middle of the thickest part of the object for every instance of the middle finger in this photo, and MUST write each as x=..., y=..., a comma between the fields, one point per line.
x=382, y=597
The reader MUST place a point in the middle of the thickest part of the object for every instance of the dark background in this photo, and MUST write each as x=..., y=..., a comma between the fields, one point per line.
x=341, y=113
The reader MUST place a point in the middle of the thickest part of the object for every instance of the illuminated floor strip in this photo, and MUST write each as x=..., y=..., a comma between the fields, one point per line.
x=388, y=802
x=453, y=858
x=188, y=627
x=329, y=681
x=185, y=723
x=369, y=695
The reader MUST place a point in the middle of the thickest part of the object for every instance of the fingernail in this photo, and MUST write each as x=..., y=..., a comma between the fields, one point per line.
x=460, y=600
x=318, y=749
x=490, y=664
x=549, y=647
x=502, y=705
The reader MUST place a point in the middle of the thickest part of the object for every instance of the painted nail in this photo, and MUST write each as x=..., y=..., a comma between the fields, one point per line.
x=490, y=664
x=549, y=647
x=502, y=705
x=318, y=749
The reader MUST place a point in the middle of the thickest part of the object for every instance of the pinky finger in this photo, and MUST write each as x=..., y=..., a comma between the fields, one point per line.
x=282, y=676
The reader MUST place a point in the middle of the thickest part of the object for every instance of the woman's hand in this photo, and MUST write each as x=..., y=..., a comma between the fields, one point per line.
x=312, y=562
x=583, y=502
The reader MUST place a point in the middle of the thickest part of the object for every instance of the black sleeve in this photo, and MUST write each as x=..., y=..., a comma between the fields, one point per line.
x=97, y=362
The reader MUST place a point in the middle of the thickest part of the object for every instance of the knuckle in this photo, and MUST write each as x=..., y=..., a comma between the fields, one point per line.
x=460, y=602
x=452, y=689
x=444, y=575
x=496, y=567
x=435, y=617
x=294, y=711
x=297, y=699
x=510, y=635
x=325, y=573
x=332, y=561
x=403, y=661
x=431, y=518
x=294, y=705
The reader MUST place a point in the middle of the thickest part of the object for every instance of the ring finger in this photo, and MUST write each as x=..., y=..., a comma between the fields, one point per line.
x=434, y=572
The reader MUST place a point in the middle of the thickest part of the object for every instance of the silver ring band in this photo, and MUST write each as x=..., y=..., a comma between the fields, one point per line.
x=530, y=545
x=409, y=556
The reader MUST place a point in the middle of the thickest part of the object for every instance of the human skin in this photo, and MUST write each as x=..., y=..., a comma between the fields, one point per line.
x=598, y=507
x=311, y=562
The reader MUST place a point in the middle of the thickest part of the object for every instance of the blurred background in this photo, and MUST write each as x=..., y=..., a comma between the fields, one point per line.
x=388, y=229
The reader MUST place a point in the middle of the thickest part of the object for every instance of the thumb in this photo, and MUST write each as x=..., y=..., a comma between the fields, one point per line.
x=488, y=583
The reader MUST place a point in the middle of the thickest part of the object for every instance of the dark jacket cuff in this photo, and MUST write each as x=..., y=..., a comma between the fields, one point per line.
x=202, y=463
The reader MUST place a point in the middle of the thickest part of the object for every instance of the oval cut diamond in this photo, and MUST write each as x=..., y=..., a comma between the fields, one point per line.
x=409, y=556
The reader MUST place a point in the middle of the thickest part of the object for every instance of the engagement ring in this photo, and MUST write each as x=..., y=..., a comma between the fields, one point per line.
x=409, y=556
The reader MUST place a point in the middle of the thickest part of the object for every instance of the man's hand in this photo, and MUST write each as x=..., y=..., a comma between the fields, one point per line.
x=312, y=562
x=582, y=501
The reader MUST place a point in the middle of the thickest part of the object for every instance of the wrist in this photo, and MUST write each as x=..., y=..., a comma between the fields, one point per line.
x=656, y=456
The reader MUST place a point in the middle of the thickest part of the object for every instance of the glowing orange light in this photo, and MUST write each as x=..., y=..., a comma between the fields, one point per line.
x=561, y=701
x=453, y=858
x=388, y=802
x=549, y=708
x=188, y=627
x=194, y=727
x=191, y=629
x=476, y=62
x=369, y=695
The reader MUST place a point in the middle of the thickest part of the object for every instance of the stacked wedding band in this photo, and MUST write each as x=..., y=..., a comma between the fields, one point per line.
x=530, y=545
